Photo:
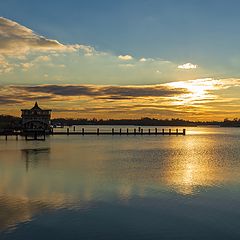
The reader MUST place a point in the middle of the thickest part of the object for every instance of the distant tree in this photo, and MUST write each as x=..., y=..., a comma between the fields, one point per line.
x=9, y=122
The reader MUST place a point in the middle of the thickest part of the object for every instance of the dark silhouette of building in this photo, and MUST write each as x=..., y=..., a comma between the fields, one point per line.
x=36, y=119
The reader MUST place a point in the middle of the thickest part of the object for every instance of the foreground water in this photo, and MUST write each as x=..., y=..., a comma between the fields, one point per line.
x=122, y=187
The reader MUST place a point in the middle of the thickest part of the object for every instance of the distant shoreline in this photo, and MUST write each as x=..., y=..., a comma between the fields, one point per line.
x=168, y=125
x=146, y=122
x=11, y=122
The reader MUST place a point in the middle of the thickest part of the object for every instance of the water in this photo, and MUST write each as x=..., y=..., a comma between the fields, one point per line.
x=122, y=187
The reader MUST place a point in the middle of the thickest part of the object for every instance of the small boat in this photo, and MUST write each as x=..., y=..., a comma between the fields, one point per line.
x=58, y=126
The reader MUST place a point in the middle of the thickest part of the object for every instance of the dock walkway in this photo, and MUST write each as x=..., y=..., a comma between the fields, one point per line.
x=126, y=132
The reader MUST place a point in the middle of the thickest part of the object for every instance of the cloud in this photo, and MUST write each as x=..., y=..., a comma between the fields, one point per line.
x=17, y=94
x=17, y=40
x=187, y=66
x=206, y=84
x=202, y=90
x=128, y=65
x=5, y=66
x=146, y=60
x=23, y=49
x=179, y=93
x=192, y=99
x=104, y=91
x=8, y=100
x=26, y=66
x=42, y=59
x=125, y=57
x=143, y=60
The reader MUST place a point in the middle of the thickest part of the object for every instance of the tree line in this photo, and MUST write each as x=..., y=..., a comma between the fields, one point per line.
x=14, y=123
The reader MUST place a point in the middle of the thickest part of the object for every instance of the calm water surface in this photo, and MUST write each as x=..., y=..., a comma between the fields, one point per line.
x=122, y=187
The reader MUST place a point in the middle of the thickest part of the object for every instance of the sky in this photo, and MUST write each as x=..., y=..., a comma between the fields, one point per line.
x=121, y=59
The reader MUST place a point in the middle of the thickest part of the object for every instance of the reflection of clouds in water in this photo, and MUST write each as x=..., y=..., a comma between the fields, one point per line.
x=19, y=209
x=14, y=211
x=33, y=156
x=128, y=168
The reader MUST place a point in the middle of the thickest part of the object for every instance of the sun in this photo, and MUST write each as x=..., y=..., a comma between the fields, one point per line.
x=199, y=90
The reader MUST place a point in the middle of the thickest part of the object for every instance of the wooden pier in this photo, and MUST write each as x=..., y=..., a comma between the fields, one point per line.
x=125, y=131
x=35, y=135
x=40, y=136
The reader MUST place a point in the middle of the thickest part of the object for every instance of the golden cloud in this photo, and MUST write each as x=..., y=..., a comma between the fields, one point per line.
x=125, y=57
x=188, y=66
x=17, y=40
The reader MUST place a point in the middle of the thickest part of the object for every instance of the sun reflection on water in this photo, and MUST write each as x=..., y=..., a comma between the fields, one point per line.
x=195, y=168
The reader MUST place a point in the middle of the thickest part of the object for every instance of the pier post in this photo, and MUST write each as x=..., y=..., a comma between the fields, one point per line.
x=170, y=131
x=74, y=128
x=156, y=131
x=98, y=131
x=163, y=131
x=82, y=131
x=177, y=131
x=127, y=131
x=6, y=137
x=184, y=131
x=141, y=131
x=149, y=131
x=67, y=131
x=134, y=131
x=120, y=131
x=112, y=131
